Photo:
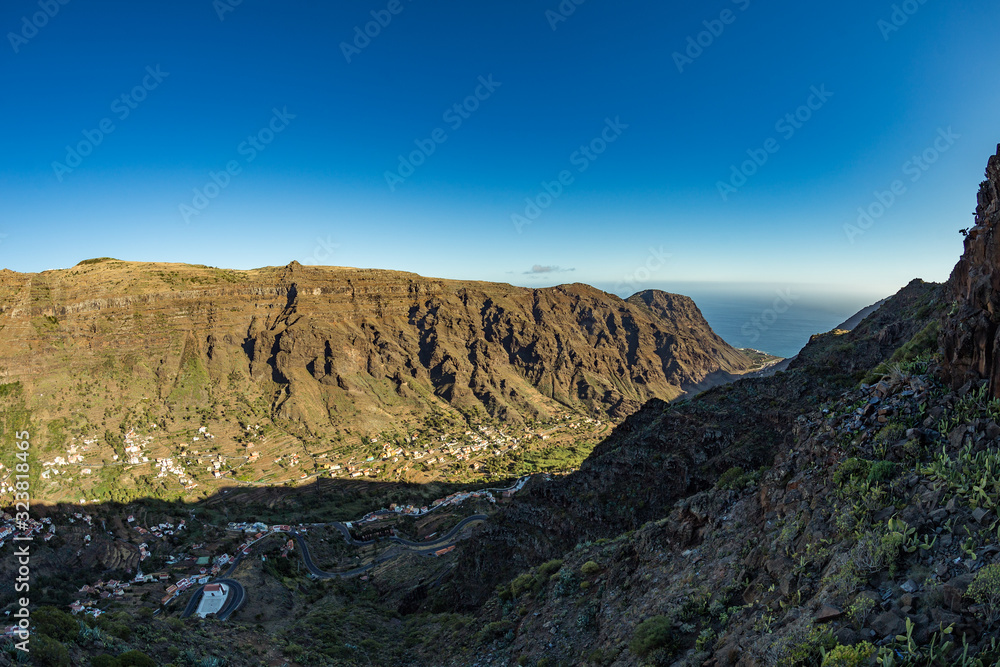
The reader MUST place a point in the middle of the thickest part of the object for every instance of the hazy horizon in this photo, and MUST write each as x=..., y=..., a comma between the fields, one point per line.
x=773, y=317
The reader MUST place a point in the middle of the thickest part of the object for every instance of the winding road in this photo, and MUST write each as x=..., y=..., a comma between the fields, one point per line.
x=426, y=548
x=237, y=594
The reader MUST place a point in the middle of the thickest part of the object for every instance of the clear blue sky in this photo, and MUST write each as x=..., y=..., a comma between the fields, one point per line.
x=323, y=177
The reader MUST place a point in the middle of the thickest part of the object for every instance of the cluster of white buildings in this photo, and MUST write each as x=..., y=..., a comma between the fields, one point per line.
x=51, y=468
x=102, y=590
x=10, y=528
x=135, y=446
x=247, y=527
x=159, y=530
x=168, y=466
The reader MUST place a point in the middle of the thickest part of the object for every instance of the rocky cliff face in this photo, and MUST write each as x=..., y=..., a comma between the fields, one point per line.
x=663, y=453
x=326, y=348
x=969, y=338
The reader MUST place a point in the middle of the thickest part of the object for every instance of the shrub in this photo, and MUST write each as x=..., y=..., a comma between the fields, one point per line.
x=889, y=435
x=55, y=623
x=497, y=629
x=734, y=479
x=860, y=609
x=805, y=646
x=653, y=633
x=119, y=630
x=590, y=568
x=524, y=583
x=985, y=589
x=850, y=656
x=882, y=471
x=47, y=652
x=705, y=640
x=549, y=568
x=850, y=469
x=566, y=583
x=875, y=552
x=104, y=661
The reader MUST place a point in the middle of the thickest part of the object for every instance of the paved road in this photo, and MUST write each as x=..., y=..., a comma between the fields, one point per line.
x=426, y=548
x=237, y=596
x=234, y=600
x=399, y=540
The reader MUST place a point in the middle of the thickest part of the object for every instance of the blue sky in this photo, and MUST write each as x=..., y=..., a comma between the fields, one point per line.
x=640, y=206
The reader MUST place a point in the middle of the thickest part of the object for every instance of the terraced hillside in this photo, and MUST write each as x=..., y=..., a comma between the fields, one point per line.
x=285, y=365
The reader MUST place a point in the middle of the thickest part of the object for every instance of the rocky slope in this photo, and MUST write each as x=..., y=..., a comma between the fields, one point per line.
x=841, y=513
x=328, y=347
x=666, y=452
x=869, y=533
x=970, y=342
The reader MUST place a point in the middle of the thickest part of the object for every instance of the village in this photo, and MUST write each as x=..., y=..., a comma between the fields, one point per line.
x=194, y=458
x=82, y=456
x=184, y=570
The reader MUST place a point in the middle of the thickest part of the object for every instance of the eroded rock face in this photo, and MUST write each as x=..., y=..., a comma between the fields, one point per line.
x=969, y=337
x=329, y=346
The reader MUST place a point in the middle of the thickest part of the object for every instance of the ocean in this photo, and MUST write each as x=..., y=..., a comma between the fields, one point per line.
x=751, y=325
x=772, y=319
x=778, y=323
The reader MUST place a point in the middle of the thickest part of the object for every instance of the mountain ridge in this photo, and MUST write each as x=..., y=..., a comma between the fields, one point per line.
x=332, y=355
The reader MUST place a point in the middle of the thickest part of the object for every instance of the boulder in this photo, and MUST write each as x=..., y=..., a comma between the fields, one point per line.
x=827, y=613
x=888, y=624
x=954, y=592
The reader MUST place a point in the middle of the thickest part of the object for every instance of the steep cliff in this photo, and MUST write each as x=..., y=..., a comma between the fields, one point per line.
x=969, y=339
x=666, y=452
x=336, y=348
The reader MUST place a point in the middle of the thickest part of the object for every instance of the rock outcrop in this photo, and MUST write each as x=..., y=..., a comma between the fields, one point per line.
x=329, y=348
x=664, y=453
x=969, y=338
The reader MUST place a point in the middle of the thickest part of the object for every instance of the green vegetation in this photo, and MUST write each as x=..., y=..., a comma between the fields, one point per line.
x=805, y=647
x=132, y=658
x=850, y=470
x=652, y=634
x=737, y=479
x=47, y=652
x=860, y=610
x=985, y=590
x=875, y=552
x=555, y=458
x=881, y=471
x=858, y=655
x=55, y=623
